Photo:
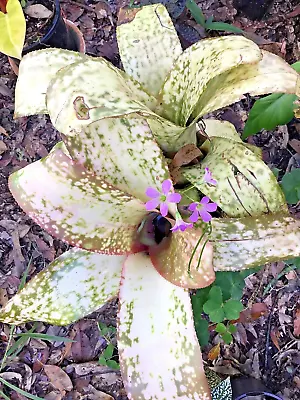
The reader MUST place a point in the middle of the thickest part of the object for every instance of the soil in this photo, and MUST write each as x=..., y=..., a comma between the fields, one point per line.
x=266, y=348
x=36, y=28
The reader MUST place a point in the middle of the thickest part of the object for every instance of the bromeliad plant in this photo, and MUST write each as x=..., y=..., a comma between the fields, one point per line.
x=110, y=190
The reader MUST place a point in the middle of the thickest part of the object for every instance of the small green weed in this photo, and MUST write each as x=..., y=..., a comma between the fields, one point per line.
x=106, y=358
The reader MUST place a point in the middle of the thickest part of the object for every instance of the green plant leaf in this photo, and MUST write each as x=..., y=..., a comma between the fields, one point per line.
x=271, y=111
x=215, y=294
x=113, y=364
x=196, y=12
x=108, y=352
x=232, y=309
x=201, y=326
x=15, y=388
x=222, y=26
x=102, y=360
x=290, y=185
x=199, y=299
x=220, y=328
x=43, y=336
x=227, y=337
x=231, y=284
x=231, y=328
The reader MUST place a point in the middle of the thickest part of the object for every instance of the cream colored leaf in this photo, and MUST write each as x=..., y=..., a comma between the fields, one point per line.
x=148, y=44
x=249, y=242
x=160, y=357
x=270, y=75
x=246, y=186
x=71, y=287
x=36, y=70
x=196, y=67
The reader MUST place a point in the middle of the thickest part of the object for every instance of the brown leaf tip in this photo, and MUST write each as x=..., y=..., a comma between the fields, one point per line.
x=127, y=15
x=81, y=108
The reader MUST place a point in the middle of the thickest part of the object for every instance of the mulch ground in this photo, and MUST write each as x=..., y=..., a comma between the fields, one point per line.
x=264, y=348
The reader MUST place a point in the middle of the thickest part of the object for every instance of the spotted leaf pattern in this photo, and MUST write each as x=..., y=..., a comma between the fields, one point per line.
x=74, y=285
x=76, y=206
x=160, y=357
x=248, y=242
x=177, y=257
x=148, y=44
x=270, y=75
x=246, y=186
x=195, y=67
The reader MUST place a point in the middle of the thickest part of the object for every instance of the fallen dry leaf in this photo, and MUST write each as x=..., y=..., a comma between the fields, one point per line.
x=274, y=337
x=214, y=352
x=185, y=155
x=295, y=144
x=3, y=147
x=38, y=11
x=297, y=323
x=59, y=379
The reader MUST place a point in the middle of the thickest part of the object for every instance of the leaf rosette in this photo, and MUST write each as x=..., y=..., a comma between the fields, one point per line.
x=120, y=132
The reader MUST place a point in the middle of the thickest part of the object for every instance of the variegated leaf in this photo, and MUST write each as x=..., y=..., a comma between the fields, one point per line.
x=160, y=357
x=123, y=152
x=246, y=186
x=177, y=257
x=249, y=242
x=198, y=65
x=90, y=90
x=71, y=287
x=226, y=130
x=36, y=70
x=270, y=75
x=76, y=206
x=148, y=44
x=104, y=92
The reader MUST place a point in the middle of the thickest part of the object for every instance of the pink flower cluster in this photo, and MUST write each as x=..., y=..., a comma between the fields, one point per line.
x=167, y=195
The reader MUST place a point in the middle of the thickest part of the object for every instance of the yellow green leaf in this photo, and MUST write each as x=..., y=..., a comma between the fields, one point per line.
x=12, y=28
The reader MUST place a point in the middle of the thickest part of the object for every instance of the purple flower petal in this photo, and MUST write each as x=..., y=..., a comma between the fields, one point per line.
x=164, y=209
x=206, y=217
x=181, y=225
x=152, y=204
x=166, y=186
x=153, y=193
x=211, y=207
x=205, y=200
x=174, y=197
x=208, y=178
x=193, y=206
x=195, y=216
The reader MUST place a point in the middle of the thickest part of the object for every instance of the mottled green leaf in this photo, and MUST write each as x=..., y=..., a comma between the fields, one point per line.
x=176, y=259
x=123, y=152
x=36, y=70
x=246, y=186
x=74, y=285
x=249, y=242
x=270, y=75
x=155, y=312
x=196, y=67
x=148, y=44
x=77, y=206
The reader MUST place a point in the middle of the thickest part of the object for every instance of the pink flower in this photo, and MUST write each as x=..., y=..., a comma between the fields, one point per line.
x=162, y=198
x=208, y=177
x=180, y=224
x=202, y=210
